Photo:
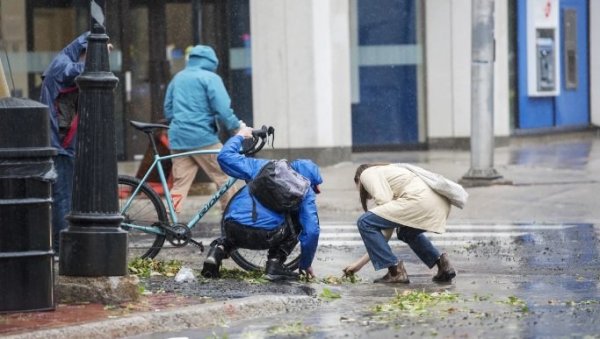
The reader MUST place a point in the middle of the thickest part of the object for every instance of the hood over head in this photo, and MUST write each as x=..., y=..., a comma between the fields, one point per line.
x=72, y=52
x=204, y=57
x=309, y=170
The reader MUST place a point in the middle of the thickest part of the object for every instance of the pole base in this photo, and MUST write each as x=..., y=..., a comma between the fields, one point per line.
x=483, y=177
x=93, y=252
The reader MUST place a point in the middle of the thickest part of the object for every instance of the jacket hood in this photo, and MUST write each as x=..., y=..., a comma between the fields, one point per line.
x=73, y=50
x=309, y=170
x=203, y=57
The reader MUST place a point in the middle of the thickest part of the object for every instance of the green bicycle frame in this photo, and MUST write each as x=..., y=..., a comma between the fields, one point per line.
x=171, y=209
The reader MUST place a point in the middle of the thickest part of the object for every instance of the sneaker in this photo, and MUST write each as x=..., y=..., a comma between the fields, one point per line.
x=212, y=264
x=275, y=271
x=445, y=270
x=400, y=278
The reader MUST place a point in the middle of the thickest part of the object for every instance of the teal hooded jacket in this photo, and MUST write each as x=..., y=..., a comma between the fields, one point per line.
x=195, y=99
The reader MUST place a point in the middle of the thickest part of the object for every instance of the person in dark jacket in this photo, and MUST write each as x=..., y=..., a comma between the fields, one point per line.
x=249, y=224
x=60, y=93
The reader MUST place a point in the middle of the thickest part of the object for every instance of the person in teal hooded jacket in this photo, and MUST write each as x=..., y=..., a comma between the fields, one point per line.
x=196, y=100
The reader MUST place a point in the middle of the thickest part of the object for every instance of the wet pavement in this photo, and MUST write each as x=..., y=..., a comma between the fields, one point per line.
x=526, y=255
x=537, y=283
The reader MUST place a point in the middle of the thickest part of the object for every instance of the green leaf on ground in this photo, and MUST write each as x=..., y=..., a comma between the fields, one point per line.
x=151, y=267
x=329, y=295
x=296, y=329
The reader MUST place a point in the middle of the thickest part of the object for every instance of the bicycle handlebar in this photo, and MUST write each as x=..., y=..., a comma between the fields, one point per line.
x=260, y=137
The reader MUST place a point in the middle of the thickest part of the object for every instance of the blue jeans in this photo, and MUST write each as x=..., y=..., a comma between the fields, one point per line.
x=62, y=190
x=370, y=226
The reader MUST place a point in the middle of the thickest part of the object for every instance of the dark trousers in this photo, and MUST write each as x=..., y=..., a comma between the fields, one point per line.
x=62, y=190
x=280, y=241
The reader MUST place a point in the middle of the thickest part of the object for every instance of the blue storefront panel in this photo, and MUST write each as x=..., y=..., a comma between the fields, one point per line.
x=571, y=106
x=387, y=111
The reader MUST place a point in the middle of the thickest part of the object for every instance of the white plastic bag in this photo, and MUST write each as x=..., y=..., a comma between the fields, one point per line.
x=185, y=274
x=454, y=192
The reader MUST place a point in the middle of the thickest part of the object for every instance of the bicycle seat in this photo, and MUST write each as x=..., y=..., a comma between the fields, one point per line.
x=147, y=127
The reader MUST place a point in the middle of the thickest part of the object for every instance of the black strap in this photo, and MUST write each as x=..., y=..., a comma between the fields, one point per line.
x=254, y=216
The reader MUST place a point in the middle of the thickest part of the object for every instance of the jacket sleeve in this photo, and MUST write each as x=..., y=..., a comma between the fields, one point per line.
x=377, y=186
x=220, y=103
x=71, y=71
x=235, y=164
x=168, y=105
x=309, y=235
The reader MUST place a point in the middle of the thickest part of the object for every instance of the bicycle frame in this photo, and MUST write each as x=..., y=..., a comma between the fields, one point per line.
x=157, y=163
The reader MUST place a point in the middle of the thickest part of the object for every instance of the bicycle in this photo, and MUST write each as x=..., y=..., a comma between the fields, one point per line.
x=149, y=223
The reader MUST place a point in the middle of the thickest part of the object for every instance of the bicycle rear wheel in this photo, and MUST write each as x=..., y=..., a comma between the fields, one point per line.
x=146, y=209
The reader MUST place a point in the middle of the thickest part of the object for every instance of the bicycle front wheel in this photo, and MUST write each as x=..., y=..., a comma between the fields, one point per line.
x=256, y=260
x=146, y=209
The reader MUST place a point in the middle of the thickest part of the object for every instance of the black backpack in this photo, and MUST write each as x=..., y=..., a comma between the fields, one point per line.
x=278, y=187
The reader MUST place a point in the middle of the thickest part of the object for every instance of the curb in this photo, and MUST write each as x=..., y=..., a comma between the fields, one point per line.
x=196, y=316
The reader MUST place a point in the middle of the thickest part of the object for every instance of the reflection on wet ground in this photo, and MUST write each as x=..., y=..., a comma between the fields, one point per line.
x=542, y=281
x=574, y=155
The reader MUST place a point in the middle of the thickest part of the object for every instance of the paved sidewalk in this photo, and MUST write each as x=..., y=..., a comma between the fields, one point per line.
x=555, y=180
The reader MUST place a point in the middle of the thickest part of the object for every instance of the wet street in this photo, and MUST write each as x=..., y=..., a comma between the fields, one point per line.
x=513, y=281
x=526, y=254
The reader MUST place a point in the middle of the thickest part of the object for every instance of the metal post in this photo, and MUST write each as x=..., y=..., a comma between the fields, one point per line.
x=93, y=245
x=4, y=90
x=482, y=94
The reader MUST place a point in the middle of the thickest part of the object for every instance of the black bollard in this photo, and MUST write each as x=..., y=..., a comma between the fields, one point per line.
x=93, y=245
x=26, y=172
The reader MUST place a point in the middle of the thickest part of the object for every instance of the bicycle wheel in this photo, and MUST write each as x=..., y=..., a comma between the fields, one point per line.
x=146, y=209
x=256, y=260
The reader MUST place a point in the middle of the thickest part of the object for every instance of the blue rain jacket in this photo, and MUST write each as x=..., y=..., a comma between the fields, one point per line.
x=195, y=99
x=240, y=207
x=59, y=75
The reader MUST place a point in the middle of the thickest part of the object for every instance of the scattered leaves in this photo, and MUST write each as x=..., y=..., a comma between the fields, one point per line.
x=329, y=295
x=292, y=329
x=150, y=267
x=415, y=302
x=251, y=277
x=518, y=302
x=347, y=279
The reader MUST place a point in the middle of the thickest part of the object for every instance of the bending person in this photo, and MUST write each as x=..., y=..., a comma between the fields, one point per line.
x=249, y=224
x=406, y=203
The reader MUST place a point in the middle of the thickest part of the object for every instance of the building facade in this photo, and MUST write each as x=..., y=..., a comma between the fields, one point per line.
x=333, y=76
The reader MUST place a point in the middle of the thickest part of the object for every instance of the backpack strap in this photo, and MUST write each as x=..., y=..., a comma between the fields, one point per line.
x=254, y=215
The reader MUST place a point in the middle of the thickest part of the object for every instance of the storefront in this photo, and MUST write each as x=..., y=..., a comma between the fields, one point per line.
x=150, y=40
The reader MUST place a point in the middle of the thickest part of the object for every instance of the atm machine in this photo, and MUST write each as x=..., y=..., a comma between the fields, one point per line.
x=543, y=46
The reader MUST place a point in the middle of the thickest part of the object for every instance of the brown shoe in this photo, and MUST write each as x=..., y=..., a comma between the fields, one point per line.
x=445, y=270
x=400, y=278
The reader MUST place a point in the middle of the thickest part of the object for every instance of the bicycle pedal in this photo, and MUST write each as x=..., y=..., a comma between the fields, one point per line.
x=198, y=244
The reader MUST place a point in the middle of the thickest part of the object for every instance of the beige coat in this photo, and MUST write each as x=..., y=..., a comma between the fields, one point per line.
x=402, y=197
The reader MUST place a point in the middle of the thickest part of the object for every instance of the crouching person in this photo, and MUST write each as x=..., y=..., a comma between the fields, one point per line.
x=259, y=219
x=411, y=201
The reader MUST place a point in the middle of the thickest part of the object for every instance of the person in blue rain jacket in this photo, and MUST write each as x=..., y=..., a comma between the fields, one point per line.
x=195, y=99
x=265, y=229
x=59, y=92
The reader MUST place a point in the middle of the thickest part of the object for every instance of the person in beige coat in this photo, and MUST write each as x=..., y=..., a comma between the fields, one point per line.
x=404, y=202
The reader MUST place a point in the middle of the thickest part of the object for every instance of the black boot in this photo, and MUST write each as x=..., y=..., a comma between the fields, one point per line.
x=212, y=264
x=275, y=271
x=445, y=270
